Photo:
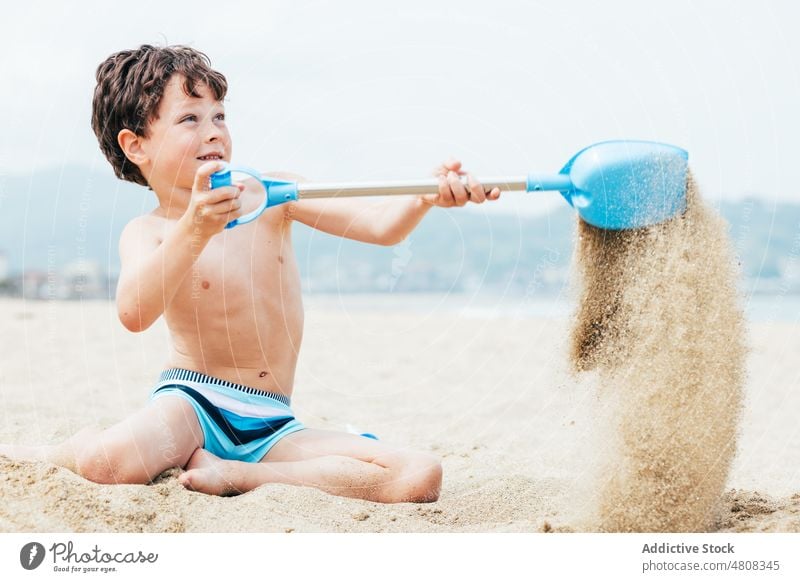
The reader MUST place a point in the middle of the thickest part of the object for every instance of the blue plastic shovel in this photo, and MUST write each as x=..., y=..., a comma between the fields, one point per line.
x=613, y=185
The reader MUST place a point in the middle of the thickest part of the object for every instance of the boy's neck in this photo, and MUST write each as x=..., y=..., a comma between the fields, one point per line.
x=172, y=202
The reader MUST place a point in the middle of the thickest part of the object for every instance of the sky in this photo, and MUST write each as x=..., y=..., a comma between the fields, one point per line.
x=351, y=90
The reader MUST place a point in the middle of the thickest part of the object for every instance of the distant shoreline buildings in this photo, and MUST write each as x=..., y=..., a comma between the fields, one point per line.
x=81, y=279
x=78, y=279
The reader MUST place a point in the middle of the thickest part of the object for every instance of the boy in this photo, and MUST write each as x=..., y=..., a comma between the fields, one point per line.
x=231, y=299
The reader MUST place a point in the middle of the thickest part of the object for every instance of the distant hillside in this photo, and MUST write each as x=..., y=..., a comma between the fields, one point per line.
x=54, y=217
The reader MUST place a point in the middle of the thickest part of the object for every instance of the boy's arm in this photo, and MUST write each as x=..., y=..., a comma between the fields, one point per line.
x=381, y=223
x=151, y=269
x=387, y=222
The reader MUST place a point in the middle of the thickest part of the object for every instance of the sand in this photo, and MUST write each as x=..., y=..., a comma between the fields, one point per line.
x=492, y=398
x=660, y=323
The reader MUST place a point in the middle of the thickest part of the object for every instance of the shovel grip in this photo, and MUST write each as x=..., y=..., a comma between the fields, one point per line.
x=275, y=191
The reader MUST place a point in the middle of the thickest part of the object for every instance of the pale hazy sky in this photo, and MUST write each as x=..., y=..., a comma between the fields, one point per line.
x=366, y=90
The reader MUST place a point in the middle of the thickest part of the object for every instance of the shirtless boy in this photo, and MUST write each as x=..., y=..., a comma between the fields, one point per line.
x=231, y=300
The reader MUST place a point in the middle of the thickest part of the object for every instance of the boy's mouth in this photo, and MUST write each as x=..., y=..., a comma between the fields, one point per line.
x=210, y=157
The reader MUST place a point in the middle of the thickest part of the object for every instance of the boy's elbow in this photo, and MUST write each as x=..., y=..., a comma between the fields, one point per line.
x=131, y=322
x=389, y=239
x=131, y=319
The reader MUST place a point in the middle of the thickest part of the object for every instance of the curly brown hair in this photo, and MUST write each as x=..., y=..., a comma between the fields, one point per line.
x=130, y=85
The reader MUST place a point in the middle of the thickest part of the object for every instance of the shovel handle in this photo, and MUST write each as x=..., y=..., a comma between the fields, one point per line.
x=279, y=191
x=411, y=187
x=529, y=183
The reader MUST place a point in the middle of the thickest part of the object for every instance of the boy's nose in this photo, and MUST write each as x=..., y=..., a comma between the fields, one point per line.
x=213, y=132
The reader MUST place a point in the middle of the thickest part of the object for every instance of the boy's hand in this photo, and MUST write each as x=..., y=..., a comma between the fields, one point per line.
x=211, y=210
x=452, y=191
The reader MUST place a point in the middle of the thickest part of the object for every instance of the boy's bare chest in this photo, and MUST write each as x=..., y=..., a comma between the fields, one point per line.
x=245, y=261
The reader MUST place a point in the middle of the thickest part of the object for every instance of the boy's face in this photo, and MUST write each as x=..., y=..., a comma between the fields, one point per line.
x=189, y=132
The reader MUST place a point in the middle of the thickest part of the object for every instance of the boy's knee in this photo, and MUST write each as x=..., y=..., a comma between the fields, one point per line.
x=92, y=463
x=421, y=479
x=429, y=478
x=105, y=463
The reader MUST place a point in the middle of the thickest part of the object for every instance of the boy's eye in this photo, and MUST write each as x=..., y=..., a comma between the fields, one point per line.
x=221, y=116
x=189, y=118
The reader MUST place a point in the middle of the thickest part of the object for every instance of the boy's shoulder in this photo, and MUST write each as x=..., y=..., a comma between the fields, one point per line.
x=147, y=226
x=141, y=236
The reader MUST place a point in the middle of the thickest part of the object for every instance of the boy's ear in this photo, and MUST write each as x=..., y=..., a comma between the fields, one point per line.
x=131, y=145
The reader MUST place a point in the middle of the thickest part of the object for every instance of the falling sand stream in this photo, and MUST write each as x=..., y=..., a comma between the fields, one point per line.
x=658, y=322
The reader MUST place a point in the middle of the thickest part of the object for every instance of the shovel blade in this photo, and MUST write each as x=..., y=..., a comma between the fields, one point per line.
x=627, y=184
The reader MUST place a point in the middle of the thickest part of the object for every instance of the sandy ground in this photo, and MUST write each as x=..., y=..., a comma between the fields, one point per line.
x=491, y=397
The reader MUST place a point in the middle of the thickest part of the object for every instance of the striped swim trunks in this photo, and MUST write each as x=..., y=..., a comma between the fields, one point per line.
x=238, y=422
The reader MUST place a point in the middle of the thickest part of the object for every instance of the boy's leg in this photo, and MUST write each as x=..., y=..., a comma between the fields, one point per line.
x=338, y=463
x=60, y=454
x=164, y=434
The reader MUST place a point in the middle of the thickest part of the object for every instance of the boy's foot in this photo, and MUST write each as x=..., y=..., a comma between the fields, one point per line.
x=207, y=473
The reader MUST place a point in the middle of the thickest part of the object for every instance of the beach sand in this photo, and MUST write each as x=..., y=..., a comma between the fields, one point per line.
x=491, y=397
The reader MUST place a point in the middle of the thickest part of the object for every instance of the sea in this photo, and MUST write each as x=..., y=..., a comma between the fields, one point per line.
x=773, y=308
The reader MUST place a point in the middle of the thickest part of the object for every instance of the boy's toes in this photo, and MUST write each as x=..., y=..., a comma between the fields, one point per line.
x=198, y=480
x=207, y=473
x=185, y=479
x=213, y=481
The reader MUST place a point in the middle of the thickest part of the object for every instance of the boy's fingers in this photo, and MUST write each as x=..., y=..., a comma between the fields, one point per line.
x=231, y=207
x=221, y=194
x=476, y=192
x=203, y=175
x=459, y=192
x=451, y=165
x=225, y=206
x=445, y=195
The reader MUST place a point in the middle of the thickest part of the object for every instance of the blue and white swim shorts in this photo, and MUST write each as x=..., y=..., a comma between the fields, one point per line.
x=238, y=422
